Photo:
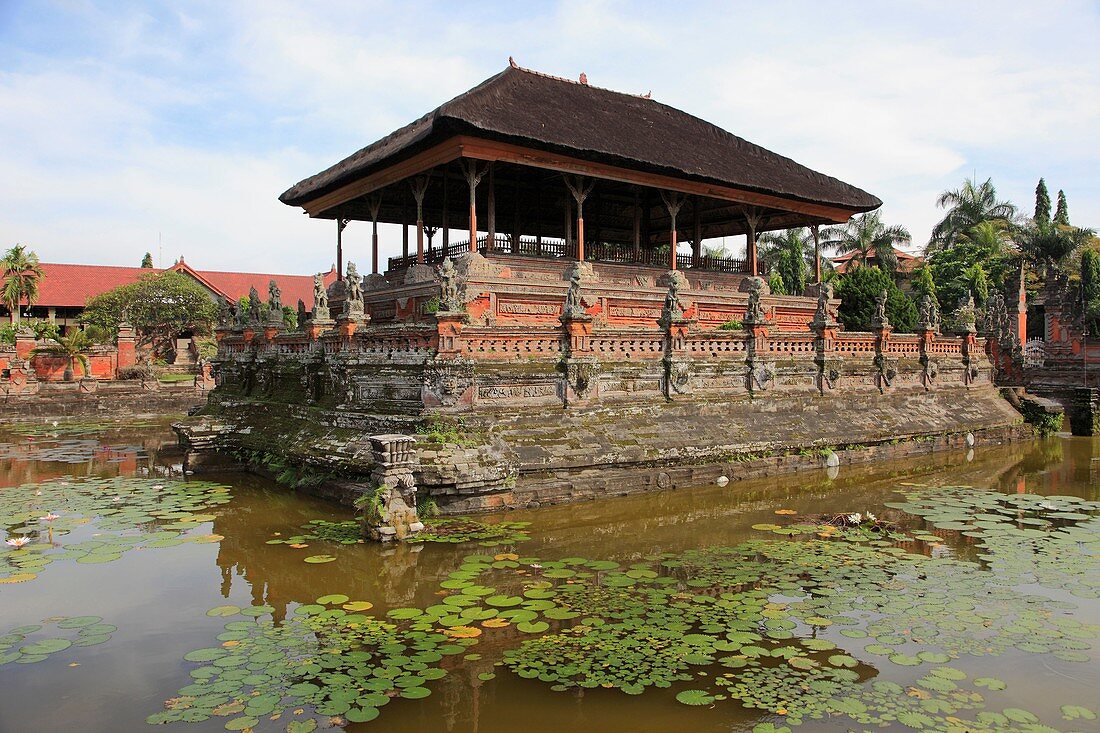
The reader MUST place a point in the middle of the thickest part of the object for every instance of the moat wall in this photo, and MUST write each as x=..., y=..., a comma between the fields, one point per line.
x=531, y=387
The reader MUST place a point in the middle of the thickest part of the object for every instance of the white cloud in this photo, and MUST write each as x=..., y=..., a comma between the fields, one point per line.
x=191, y=122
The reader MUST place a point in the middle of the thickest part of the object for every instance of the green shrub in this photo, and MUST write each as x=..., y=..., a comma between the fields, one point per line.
x=858, y=290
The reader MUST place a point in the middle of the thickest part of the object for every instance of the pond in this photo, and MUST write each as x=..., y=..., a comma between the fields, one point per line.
x=964, y=596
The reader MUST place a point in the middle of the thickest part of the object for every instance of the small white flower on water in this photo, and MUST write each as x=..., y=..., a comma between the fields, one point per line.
x=50, y=516
x=117, y=498
x=871, y=517
x=38, y=493
x=55, y=423
x=158, y=487
x=536, y=566
x=17, y=542
x=855, y=518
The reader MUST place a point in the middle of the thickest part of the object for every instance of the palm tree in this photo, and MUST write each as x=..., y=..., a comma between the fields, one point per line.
x=993, y=235
x=966, y=208
x=21, y=274
x=867, y=237
x=72, y=348
x=791, y=252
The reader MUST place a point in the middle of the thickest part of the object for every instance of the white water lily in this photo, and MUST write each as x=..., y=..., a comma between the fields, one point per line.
x=50, y=516
x=17, y=542
x=871, y=517
x=856, y=518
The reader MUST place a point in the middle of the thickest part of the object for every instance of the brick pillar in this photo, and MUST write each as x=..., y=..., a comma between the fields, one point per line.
x=449, y=332
x=127, y=346
x=24, y=343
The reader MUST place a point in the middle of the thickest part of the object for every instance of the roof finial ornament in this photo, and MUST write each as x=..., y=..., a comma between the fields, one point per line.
x=584, y=78
x=512, y=63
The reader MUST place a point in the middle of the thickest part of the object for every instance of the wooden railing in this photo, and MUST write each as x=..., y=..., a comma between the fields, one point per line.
x=558, y=249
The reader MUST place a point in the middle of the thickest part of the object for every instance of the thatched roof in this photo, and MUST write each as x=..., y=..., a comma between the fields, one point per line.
x=571, y=118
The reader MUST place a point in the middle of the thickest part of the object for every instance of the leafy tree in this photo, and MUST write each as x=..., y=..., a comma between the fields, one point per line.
x=867, y=237
x=1090, y=285
x=159, y=305
x=789, y=254
x=71, y=348
x=147, y=261
x=21, y=275
x=857, y=290
x=924, y=283
x=968, y=207
x=982, y=259
x=776, y=284
x=1042, y=203
x=1061, y=214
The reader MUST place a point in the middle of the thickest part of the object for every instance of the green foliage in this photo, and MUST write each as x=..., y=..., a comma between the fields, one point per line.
x=979, y=282
x=1042, y=203
x=1045, y=423
x=1090, y=284
x=290, y=317
x=857, y=291
x=432, y=305
x=426, y=507
x=41, y=329
x=776, y=284
x=924, y=283
x=159, y=305
x=437, y=429
x=21, y=274
x=208, y=347
x=1061, y=214
x=731, y=325
x=787, y=255
x=147, y=261
x=979, y=260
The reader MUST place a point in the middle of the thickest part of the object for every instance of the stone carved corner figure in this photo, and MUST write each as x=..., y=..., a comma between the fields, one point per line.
x=929, y=313
x=574, y=308
x=754, y=313
x=303, y=314
x=879, y=319
x=274, y=297
x=320, y=297
x=224, y=314
x=449, y=299
x=255, y=306
x=965, y=316
x=353, y=287
x=824, y=316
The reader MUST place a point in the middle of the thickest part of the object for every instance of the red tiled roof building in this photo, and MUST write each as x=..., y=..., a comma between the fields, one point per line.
x=65, y=289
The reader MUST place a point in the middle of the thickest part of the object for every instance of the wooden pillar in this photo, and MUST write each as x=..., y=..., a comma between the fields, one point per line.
x=405, y=230
x=647, y=225
x=491, y=212
x=568, y=223
x=637, y=225
x=446, y=218
x=340, y=224
x=580, y=191
x=473, y=177
x=375, y=205
x=814, y=230
x=538, y=217
x=752, y=218
x=673, y=202
x=697, y=233
x=419, y=188
x=515, y=218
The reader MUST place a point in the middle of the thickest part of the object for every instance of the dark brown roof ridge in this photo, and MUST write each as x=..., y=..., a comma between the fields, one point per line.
x=572, y=117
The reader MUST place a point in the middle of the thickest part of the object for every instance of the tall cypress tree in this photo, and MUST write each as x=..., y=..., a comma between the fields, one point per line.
x=1042, y=203
x=147, y=261
x=1061, y=214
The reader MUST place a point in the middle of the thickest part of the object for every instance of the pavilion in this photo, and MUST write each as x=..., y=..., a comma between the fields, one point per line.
x=538, y=166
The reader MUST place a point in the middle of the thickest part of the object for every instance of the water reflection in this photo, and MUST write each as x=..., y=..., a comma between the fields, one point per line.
x=162, y=595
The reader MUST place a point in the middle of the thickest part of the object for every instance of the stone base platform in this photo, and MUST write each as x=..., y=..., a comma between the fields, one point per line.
x=488, y=461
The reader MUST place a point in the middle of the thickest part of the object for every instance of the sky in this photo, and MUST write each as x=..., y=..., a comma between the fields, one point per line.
x=172, y=127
